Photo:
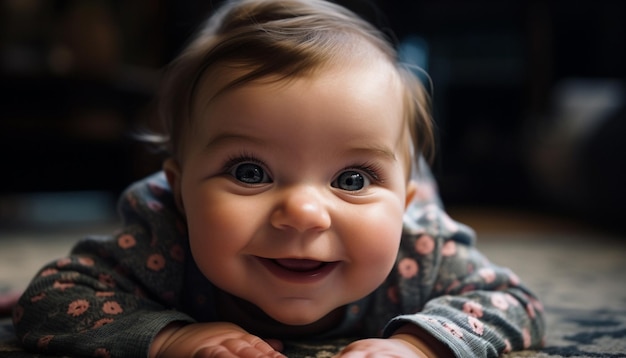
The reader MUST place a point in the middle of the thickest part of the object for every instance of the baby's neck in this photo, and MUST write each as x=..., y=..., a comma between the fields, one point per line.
x=254, y=320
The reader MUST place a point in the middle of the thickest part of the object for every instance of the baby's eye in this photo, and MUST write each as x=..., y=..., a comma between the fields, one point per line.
x=250, y=173
x=351, y=180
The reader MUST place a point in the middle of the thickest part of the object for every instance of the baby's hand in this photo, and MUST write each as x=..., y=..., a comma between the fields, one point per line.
x=206, y=340
x=401, y=345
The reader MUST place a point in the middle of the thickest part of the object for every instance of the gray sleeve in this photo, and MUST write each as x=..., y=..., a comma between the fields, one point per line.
x=112, y=295
x=454, y=294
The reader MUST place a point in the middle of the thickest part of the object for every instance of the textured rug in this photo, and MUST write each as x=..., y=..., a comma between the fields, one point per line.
x=580, y=278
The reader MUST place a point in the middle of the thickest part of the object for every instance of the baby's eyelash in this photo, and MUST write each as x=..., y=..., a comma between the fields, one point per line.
x=242, y=157
x=373, y=170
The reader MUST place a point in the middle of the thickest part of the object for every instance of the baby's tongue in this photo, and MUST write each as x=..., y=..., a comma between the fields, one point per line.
x=298, y=265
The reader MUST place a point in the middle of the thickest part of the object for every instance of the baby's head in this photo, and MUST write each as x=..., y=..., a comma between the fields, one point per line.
x=248, y=40
x=291, y=128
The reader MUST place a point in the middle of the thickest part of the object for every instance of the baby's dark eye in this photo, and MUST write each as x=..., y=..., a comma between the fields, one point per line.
x=351, y=180
x=250, y=173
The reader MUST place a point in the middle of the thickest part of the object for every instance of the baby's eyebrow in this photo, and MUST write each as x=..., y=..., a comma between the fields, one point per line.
x=224, y=138
x=374, y=150
x=369, y=150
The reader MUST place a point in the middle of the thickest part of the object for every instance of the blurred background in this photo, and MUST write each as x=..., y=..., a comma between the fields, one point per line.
x=528, y=100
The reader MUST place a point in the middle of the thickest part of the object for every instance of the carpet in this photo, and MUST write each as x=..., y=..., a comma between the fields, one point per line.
x=580, y=278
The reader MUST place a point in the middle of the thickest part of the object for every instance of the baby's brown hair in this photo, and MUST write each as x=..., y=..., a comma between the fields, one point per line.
x=280, y=40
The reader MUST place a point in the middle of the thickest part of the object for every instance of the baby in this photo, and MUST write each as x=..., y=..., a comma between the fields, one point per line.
x=293, y=206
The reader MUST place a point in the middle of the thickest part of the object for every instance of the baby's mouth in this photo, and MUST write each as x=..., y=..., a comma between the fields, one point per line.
x=298, y=265
x=298, y=270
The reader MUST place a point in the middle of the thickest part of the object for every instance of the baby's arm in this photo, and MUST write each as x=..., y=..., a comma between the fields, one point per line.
x=74, y=314
x=452, y=293
x=81, y=306
x=113, y=294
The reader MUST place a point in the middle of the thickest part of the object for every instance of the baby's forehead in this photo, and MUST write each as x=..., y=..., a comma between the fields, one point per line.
x=220, y=78
x=368, y=83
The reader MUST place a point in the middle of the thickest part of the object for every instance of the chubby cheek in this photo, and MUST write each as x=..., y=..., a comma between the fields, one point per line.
x=219, y=231
x=372, y=246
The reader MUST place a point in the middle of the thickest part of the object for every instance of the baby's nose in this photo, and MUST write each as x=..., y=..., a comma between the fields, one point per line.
x=301, y=208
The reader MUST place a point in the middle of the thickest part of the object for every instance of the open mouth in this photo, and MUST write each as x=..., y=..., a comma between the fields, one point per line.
x=299, y=265
x=298, y=270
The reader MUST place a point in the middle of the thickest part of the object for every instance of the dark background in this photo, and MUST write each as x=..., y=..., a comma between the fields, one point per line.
x=528, y=96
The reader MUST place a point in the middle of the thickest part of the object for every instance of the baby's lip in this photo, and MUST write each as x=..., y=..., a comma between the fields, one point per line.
x=300, y=265
x=298, y=270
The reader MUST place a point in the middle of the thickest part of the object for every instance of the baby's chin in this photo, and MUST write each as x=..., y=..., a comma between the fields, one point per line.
x=307, y=320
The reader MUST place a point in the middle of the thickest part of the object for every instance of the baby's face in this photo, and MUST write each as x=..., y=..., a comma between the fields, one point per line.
x=294, y=191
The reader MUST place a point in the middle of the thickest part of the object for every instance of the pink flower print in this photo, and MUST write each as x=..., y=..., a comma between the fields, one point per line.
x=177, y=253
x=392, y=294
x=48, y=272
x=106, y=279
x=86, y=261
x=449, y=249
x=499, y=301
x=38, y=297
x=42, y=343
x=77, y=308
x=101, y=322
x=155, y=262
x=477, y=326
x=488, y=274
x=155, y=205
x=408, y=267
x=62, y=285
x=18, y=313
x=473, y=309
x=126, y=241
x=102, y=353
x=424, y=245
x=105, y=293
x=526, y=337
x=453, y=329
x=64, y=262
x=112, y=307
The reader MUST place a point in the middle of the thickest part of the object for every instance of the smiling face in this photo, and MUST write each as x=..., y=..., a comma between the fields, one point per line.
x=294, y=190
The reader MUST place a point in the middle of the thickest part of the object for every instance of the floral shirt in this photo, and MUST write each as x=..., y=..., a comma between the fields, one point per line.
x=113, y=294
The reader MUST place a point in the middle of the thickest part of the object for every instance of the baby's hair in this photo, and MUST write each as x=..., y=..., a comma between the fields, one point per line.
x=279, y=40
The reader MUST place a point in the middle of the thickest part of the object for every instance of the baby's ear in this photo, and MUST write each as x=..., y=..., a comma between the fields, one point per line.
x=173, y=175
x=411, y=191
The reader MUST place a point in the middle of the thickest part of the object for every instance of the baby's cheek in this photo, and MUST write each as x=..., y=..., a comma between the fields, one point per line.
x=375, y=246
